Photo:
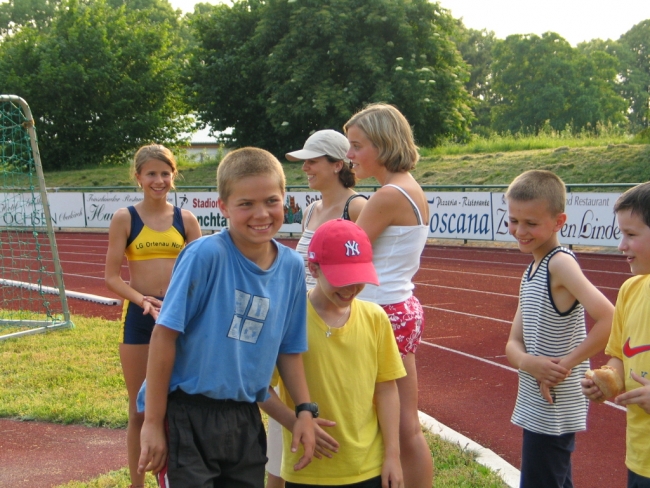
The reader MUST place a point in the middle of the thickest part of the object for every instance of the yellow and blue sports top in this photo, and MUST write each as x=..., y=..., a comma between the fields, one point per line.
x=145, y=243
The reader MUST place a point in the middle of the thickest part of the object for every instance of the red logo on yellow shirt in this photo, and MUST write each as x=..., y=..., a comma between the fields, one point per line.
x=630, y=351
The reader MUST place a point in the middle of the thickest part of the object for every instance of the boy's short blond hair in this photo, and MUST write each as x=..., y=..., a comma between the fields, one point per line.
x=247, y=161
x=154, y=151
x=637, y=201
x=538, y=184
x=390, y=133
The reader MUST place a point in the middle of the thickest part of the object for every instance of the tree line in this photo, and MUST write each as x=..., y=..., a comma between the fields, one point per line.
x=104, y=76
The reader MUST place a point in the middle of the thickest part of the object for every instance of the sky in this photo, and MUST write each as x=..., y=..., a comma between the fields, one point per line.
x=574, y=20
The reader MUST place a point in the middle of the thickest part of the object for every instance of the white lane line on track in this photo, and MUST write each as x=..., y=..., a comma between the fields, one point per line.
x=469, y=290
x=493, y=363
x=491, y=275
x=523, y=265
x=471, y=356
x=586, y=255
x=467, y=314
x=63, y=261
x=422, y=283
x=102, y=264
x=67, y=274
x=84, y=276
x=437, y=258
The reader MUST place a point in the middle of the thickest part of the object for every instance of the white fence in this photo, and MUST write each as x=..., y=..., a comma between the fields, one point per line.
x=453, y=215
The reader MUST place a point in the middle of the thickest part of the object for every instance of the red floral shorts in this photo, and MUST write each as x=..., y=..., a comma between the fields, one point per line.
x=407, y=320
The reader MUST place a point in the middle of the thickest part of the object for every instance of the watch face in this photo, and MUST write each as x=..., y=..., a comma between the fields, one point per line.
x=310, y=407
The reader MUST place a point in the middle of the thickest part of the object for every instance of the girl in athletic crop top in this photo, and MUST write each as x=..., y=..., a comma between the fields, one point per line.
x=150, y=234
x=396, y=220
x=328, y=171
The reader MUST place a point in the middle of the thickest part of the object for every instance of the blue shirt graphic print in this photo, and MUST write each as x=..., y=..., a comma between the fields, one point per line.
x=251, y=311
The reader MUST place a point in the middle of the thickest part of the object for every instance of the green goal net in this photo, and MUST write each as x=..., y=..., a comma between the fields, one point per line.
x=31, y=279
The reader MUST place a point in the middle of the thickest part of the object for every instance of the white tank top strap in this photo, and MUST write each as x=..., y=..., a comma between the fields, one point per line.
x=415, y=207
x=311, y=210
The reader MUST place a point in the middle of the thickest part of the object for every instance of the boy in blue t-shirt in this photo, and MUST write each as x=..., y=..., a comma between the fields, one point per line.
x=234, y=309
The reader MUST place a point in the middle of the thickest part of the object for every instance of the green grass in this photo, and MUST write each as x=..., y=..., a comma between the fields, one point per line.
x=454, y=467
x=114, y=479
x=70, y=376
x=546, y=139
x=494, y=161
x=73, y=376
x=602, y=164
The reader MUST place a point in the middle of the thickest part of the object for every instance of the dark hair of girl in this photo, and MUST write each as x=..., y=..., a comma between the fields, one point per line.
x=346, y=175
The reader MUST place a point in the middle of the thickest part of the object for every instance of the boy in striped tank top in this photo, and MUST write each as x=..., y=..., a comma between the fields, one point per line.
x=548, y=342
x=629, y=342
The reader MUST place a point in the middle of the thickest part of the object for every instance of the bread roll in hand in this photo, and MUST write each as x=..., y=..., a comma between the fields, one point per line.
x=607, y=380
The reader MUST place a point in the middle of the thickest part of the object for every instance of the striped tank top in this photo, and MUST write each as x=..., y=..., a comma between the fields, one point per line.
x=548, y=332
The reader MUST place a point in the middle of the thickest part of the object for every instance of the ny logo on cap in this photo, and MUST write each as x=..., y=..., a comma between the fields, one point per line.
x=352, y=248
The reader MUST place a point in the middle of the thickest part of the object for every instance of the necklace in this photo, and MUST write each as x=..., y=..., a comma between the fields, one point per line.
x=338, y=321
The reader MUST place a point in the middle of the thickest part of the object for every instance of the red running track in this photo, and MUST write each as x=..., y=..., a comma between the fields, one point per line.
x=470, y=296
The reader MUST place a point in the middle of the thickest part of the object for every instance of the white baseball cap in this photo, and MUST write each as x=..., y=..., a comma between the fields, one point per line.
x=323, y=143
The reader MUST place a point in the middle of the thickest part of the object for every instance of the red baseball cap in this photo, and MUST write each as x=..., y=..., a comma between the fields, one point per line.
x=343, y=251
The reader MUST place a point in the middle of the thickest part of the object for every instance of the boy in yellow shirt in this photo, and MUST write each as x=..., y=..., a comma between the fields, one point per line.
x=629, y=342
x=351, y=365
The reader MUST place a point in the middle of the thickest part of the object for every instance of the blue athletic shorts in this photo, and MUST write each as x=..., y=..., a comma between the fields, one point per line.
x=137, y=327
x=636, y=480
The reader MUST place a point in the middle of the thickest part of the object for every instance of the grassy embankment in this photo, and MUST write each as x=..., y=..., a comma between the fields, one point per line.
x=483, y=162
x=74, y=377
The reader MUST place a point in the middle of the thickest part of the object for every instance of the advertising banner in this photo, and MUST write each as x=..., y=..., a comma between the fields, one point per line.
x=21, y=210
x=100, y=207
x=204, y=206
x=460, y=215
x=67, y=209
x=590, y=219
x=452, y=215
x=500, y=218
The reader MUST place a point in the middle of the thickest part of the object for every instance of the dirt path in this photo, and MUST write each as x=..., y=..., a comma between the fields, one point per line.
x=45, y=455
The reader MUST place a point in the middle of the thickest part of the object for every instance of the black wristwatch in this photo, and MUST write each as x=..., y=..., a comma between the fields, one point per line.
x=310, y=407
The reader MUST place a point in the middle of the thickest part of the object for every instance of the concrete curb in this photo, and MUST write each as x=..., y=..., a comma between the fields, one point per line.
x=486, y=457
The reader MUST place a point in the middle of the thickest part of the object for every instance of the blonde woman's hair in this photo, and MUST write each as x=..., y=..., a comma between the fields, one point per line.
x=154, y=151
x=390, y=133
x=247, y=161
x=538, y=184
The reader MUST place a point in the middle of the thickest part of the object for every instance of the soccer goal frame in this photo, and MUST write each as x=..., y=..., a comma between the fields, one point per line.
x=22, y=185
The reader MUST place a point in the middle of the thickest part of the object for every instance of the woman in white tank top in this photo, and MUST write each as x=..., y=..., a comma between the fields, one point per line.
x=328, y=171
x=396, y=220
